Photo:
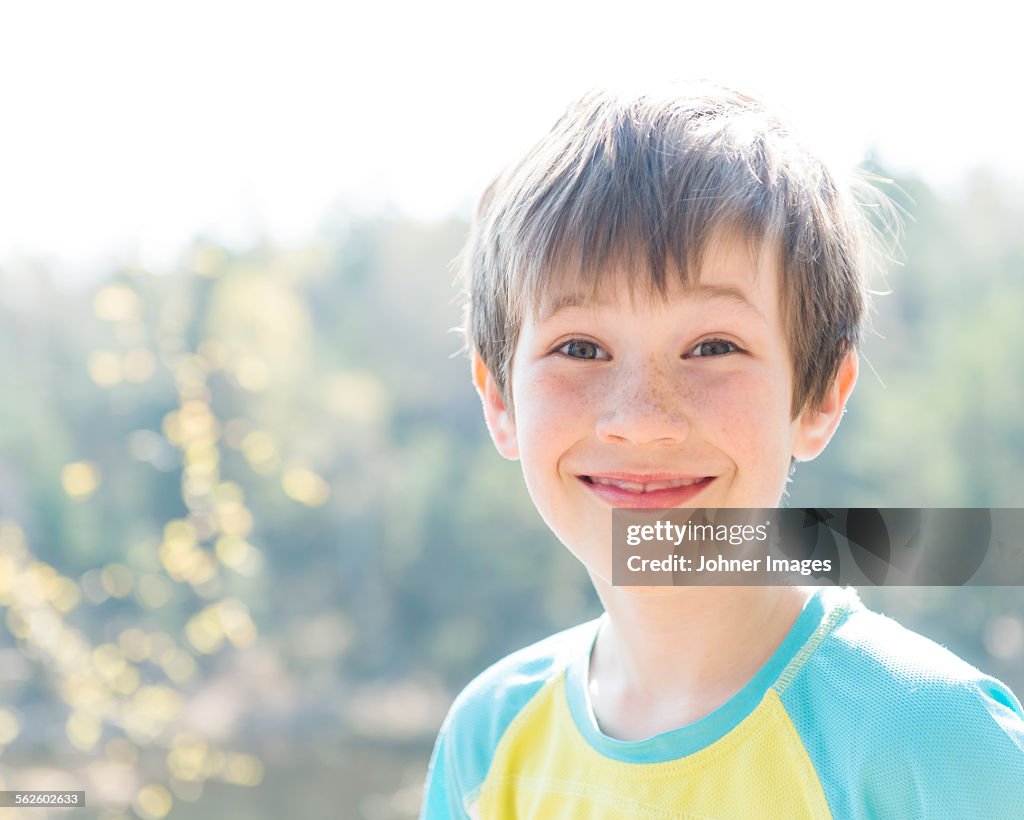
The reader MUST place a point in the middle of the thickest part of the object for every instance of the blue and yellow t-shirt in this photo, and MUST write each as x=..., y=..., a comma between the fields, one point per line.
x=854, y=716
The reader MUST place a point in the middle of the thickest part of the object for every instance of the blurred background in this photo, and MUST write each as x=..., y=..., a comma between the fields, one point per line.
x=253, y=537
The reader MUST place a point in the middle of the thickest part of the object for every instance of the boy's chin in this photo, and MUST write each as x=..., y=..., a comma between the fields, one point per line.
x=603, y=580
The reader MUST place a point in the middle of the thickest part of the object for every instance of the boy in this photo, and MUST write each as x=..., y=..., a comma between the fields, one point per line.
x=665, y=301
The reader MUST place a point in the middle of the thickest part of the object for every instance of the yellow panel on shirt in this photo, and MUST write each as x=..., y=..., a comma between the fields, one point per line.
x=544, y=768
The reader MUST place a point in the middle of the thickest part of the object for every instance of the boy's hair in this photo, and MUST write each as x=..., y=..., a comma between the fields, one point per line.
x=644, y=185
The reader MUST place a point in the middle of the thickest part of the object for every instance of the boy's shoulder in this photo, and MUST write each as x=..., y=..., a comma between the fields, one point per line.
x=868, y=655
x=892, y=716
x=483, y=712
x=490, y=701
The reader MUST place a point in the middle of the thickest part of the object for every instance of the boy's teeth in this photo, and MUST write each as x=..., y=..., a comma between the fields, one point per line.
x=666, y=485
x=636, y=487
x=631, y=486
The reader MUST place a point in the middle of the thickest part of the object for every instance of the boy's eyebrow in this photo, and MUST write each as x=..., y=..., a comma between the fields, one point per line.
x=730, y=293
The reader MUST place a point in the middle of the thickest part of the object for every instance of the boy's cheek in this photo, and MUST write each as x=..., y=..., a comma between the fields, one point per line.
x=561, y=398
x=753, y=412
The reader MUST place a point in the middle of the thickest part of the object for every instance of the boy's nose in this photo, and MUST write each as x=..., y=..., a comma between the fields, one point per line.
x=645, y=408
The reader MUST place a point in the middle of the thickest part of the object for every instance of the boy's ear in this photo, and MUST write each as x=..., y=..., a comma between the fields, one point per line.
x=816, y=425
x=499, y=421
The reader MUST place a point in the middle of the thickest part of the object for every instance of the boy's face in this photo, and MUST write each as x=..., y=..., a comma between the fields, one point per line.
x=684, y=402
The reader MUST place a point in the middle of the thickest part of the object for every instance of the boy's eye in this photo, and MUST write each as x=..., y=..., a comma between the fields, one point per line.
x=713, y=347
x=582, y=349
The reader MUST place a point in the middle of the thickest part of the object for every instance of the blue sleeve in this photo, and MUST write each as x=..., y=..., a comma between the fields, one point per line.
x=967, y=761
x=442, y=797
x=899, y=727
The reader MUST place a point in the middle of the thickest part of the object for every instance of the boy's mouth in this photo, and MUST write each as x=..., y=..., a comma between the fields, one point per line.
x=628, y=490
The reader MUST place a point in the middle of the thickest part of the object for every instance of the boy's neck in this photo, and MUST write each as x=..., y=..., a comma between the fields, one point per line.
x=661, y=662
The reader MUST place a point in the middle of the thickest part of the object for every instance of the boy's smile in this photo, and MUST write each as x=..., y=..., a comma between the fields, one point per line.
x=682, y=401
x=647, y=490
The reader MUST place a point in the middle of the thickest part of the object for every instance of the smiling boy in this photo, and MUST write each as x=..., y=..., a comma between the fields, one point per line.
x=666, y=296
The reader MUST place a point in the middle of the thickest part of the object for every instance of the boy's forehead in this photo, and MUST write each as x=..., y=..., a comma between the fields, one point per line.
x=731, y=271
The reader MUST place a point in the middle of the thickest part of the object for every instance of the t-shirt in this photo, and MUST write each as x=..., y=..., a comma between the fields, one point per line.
x=853, y=716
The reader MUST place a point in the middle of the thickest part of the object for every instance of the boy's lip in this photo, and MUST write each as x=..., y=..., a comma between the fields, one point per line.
x=645, y=490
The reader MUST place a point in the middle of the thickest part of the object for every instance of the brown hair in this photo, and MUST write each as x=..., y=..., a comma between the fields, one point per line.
x=645, y=184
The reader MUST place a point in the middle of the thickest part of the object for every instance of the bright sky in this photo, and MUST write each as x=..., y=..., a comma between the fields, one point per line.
x=127, y=127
